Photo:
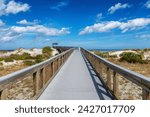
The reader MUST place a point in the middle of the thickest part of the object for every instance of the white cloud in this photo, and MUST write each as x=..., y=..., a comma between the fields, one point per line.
x=144, y=36
x=117, y=6
x=40, y=29
x=133, y=24
x=16, y=31
x=25, y=22
x=1, y=23
x=147, y=4
x=59, y=5
x=12, y=7
x=99, y=16
x=100, y=27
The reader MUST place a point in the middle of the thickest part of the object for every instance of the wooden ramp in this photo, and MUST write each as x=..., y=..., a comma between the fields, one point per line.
x=76, y=80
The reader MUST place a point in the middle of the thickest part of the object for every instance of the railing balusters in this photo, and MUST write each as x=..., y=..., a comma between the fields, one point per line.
x=133, y=77
x=108, y=77
x=41, y=74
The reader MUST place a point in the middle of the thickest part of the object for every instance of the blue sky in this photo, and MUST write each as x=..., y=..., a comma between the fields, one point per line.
x=104, y=24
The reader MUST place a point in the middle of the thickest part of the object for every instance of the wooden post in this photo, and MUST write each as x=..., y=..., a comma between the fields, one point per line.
x=58, y=63
x=108, y=77
x=145, y=94
x=115, y=84
x=101, y=70
x=3, y=94
x=43, y=76
x=36, y=82
x=52, y=68
x=60, y=60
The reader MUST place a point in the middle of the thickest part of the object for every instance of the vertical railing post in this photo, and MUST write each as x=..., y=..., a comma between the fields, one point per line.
x=52, y=68
x=43, y=76
x=36, y=84
x=145, y=94
x=108, y=77
x=3, y=94
x=115, y=84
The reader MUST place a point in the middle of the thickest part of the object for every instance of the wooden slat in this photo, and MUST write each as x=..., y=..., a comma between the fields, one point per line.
x=108, y=78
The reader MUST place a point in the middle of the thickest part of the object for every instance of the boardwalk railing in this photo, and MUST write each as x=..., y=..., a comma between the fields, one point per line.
x=110, y=73
x=40, y=74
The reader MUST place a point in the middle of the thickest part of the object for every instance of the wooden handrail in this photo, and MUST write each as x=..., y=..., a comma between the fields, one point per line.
x=138, y=79
x=42, y=74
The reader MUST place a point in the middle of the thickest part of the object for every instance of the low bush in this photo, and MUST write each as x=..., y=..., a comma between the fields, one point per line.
x=24, y=56
x=102, y=54
x=132, y=58
x=47, y=51
x=8, y=59
x=1, y=63
x=146, y=49
x=1, y=59
x=38, y=60
x=29, y=63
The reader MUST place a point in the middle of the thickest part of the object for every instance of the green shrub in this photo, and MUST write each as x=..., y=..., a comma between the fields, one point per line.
x=38, y=60
x=29, y=63
x=47, y=51
x=24, y=56
x=8, y=59
x=102, y=54
x=1, y=59
x=113, y=56
x=146, y=49
x=1, y=63
x=132, y=58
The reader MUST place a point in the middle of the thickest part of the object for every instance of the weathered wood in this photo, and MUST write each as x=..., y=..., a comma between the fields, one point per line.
x=3, y=94
x=145, y=95
x=36, y=85
x=108, y=72
x=41, y=73
x=52, y=68
x=115, y=84
x=134, y=77
x=43, y=76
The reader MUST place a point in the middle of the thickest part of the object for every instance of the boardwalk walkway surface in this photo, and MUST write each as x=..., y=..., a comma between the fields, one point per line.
x=76, y=80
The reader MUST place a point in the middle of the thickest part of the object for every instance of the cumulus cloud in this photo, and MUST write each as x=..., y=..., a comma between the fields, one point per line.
x=12, y=7
x=1, y=23
x=133, y=24
x=117, y=6
x=147, y=4
x=40, y=29
x=16, y=31
x=25, y=22
x=100, y=27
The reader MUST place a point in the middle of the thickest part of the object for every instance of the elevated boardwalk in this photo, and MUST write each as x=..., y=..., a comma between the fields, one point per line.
x=75, y=80
x=76, y=74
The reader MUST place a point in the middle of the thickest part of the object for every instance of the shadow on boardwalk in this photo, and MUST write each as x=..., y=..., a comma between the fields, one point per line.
x=101, y=89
